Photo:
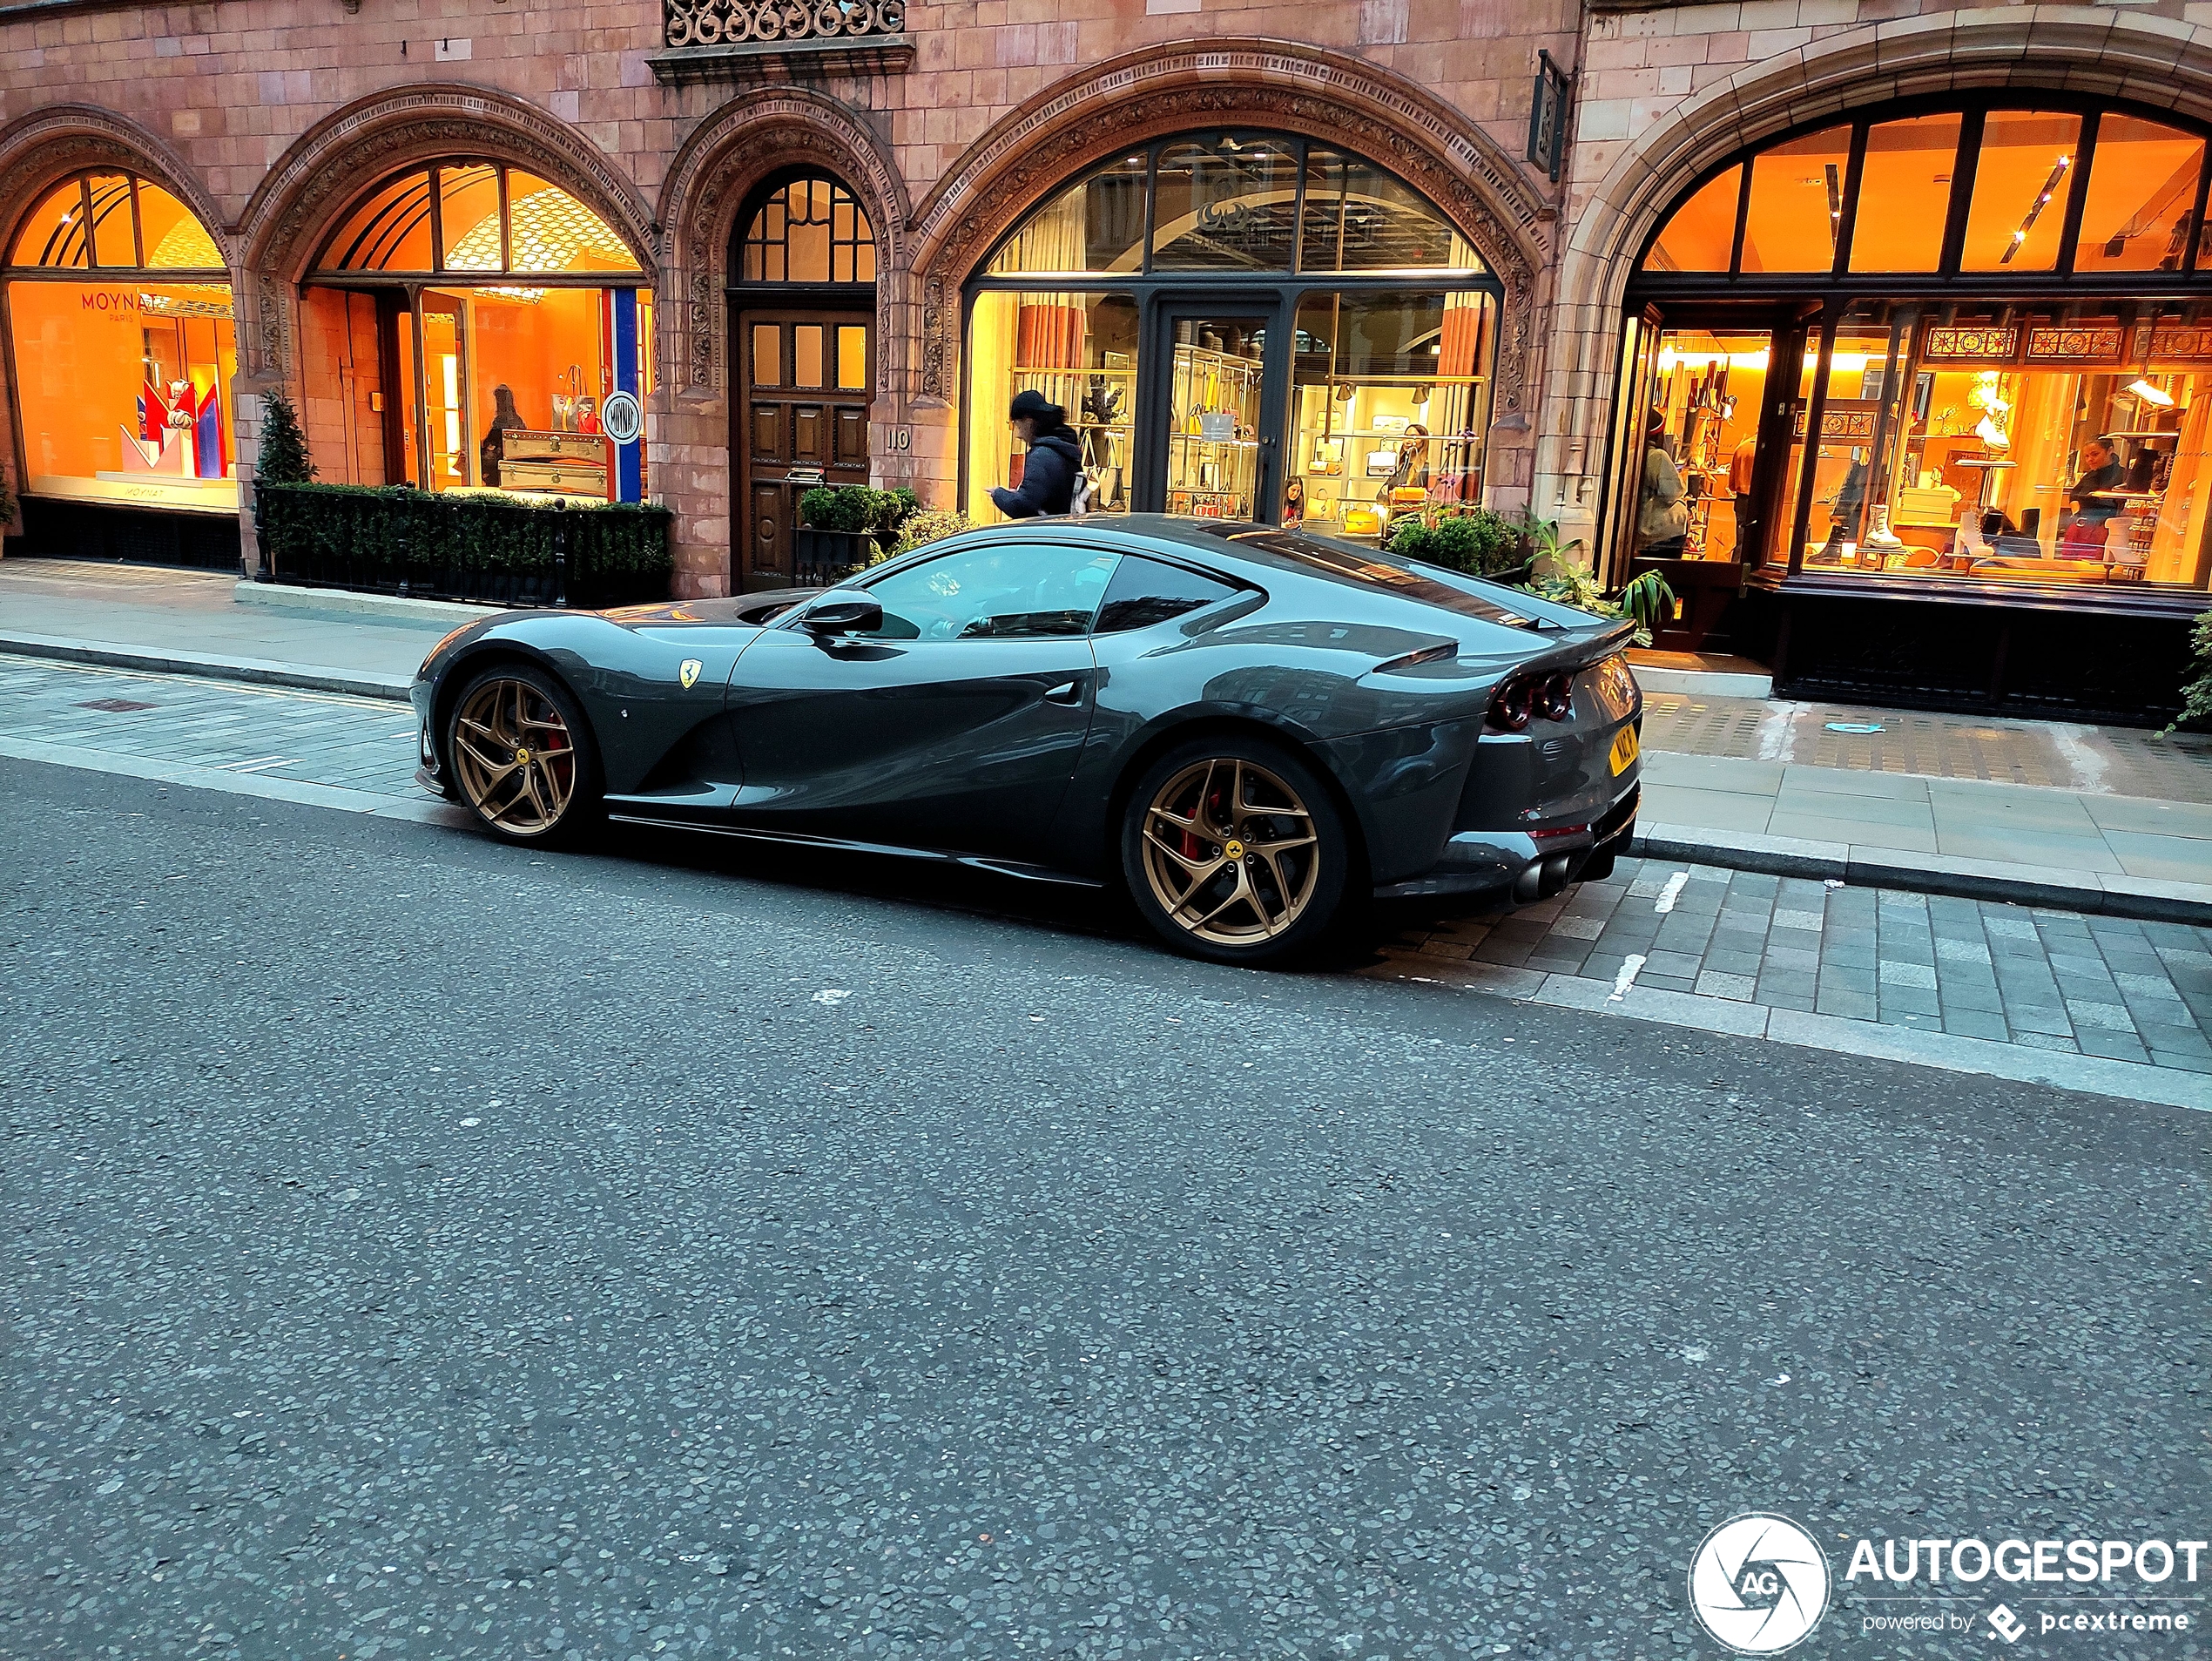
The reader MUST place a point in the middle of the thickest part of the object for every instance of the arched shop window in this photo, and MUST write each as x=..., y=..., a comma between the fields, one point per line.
x=119, y=306
x=1938, y=343
x=464, y=325
x=1240, y=324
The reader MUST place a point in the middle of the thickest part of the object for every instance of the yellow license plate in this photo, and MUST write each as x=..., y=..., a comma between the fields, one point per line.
x=1624, y=749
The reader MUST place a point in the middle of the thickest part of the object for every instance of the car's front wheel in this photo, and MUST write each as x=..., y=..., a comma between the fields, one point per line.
x=1234, y=850
x=521, y=756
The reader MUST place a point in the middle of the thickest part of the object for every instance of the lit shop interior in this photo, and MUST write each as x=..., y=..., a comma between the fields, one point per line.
x=2023, y=424
x=1166, y=302
x=463, y=328
x=120, y=315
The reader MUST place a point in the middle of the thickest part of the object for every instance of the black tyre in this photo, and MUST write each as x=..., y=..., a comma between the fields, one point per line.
x=522, y=759
x=1234, y=850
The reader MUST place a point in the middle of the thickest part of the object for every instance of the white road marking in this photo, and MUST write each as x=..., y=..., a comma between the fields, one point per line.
x=1672, y=892
x=262, y=764
x=832, y=995
x=1629, y=970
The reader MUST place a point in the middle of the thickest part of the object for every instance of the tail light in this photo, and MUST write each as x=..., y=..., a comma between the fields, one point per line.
x=1526, y=696
x=1509, y=708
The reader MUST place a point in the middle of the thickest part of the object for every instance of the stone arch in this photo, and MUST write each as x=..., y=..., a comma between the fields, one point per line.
x=725, y=158
x=329, y=165
x=41, y=149
x=2080, y=51
x=1149, y=94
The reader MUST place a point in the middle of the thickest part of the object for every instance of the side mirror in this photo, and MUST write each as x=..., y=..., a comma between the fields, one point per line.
x=843, y=616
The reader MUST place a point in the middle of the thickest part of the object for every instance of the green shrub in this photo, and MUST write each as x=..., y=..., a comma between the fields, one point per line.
x=2197, y=695
x=474, y=546
x=1476, y=540
x=852, y=508
x=927, y=525
x=283, y=457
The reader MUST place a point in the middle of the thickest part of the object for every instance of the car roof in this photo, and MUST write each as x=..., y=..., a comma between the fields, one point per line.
x=1256, y=552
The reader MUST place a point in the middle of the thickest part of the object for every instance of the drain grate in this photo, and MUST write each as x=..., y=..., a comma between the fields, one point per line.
x=115, y=705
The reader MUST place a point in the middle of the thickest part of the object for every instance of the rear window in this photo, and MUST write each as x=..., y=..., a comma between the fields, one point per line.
x=1350, y=565
x=1145, y=591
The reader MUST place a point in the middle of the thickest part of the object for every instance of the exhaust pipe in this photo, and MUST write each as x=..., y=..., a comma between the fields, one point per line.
x=1526, y=887
x=1554, y=877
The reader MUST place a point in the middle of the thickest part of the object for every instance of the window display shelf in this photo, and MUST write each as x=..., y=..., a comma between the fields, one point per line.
x=141, y=490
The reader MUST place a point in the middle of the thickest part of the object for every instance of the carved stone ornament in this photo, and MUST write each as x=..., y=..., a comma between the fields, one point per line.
x=734, y=23
x=722, y=163
x=1270, y=85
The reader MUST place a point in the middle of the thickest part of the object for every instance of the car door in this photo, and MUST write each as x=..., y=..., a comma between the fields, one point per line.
x=955, y=724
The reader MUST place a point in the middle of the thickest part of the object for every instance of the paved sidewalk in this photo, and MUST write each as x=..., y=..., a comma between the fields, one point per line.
x=2095, y=819
x=2033, y=994
x=122, y=614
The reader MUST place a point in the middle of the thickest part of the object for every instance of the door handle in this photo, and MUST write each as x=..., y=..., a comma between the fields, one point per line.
x=1069, y=691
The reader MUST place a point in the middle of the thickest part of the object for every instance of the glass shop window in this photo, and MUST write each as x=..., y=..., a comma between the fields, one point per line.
x=1797, y=203
x=1390, y=400
x=1700, y=443
x=2022, y=446
x=1226, y=204
x=2021, y=178
x=1701, y=233
x=124, y=383
x=1096, y=224
x=2142, y=185
x=1080, y=352
x=1904, y=194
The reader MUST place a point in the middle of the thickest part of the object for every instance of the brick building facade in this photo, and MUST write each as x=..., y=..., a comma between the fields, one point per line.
x=947, y=124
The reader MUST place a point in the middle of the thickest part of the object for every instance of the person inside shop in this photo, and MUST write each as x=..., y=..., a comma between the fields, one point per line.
x=505, y=418
x=1412, y=471
x=1741, y=462
x=2100, y=472
x=1663, y=517
x=1053, y=465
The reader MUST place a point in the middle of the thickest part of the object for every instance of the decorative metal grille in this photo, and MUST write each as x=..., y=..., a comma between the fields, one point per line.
x=2171, y=342
x=2076, y=343
x=1990, y=345
x=732, y=22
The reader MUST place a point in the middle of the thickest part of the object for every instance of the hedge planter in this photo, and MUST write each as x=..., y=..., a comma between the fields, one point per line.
x=491, y=551
x=822, y=557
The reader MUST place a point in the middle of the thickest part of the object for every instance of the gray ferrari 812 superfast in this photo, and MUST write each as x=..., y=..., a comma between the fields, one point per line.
x=1250, y=731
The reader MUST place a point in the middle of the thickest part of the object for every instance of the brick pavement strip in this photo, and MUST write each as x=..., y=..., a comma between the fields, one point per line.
x=1786, y=957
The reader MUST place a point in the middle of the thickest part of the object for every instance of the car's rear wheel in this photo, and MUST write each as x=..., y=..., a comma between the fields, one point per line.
x=1234, y=850
x=523, y=757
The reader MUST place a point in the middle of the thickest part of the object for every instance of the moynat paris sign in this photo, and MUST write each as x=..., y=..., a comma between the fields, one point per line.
x=1760, y=1585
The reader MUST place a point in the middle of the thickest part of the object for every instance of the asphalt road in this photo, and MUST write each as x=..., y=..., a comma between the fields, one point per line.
x=417, y=1247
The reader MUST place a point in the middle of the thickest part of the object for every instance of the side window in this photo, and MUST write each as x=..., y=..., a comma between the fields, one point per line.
x=1144, y=591
x=1007, y=590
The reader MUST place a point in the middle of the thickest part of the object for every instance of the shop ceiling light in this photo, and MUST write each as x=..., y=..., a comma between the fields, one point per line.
x=2151, y=394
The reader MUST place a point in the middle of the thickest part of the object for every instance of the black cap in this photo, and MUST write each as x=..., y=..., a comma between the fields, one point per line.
x=1035, y=405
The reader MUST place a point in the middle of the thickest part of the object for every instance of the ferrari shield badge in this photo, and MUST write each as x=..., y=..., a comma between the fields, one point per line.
x=689, y=672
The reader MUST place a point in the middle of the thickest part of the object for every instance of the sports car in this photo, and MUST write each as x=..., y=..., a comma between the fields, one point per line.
x=1251, y=731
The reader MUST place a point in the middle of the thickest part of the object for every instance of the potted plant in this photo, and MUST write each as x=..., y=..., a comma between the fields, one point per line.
x=845, y=528
x=1479, y=541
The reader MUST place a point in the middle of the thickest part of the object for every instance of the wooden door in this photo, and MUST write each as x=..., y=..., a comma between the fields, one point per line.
x=800, y=419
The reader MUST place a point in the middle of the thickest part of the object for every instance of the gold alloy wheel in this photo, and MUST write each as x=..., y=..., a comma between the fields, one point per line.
x=514, y=757
x=1231, y=853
